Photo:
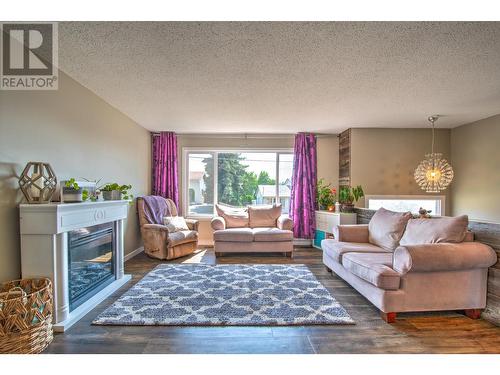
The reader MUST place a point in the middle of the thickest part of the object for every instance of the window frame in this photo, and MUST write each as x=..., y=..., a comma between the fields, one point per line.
x=214, y=151
x=440, y=198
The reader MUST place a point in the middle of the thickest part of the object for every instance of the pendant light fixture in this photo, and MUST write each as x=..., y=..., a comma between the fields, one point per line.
x=434, y=173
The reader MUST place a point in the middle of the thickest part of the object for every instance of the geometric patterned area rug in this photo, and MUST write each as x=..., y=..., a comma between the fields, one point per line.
x=201, y=294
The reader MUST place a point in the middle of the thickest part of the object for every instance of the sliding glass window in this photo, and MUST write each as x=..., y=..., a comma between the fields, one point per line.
x=236, y=179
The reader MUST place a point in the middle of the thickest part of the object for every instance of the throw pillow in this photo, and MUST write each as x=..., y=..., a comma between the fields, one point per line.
x=175, y=223
x=233, y=218
x=387, y=227
x=436, y=230
x=264, y=217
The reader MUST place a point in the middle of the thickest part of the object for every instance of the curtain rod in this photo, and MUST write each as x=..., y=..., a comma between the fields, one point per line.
x=242, y=136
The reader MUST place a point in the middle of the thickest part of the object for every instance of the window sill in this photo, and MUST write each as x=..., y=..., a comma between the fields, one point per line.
x=200, y=217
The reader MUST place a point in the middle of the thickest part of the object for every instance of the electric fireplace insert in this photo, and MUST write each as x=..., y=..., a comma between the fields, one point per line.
x=91, y=261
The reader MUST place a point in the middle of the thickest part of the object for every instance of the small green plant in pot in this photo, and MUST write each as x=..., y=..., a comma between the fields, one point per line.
x=72, y=192
x=115, y=191
x=325, y=195
x=349, y=195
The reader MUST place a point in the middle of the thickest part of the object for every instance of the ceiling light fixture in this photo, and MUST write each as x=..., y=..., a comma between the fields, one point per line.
x=434, y=173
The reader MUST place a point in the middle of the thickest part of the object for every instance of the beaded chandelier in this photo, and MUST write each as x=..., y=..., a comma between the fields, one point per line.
x=434, y=173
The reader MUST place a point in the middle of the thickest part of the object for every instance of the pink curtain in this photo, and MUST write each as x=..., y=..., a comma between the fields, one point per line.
x=303, y=197
x=165, y=183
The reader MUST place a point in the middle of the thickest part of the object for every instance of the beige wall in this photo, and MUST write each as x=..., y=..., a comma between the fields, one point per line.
x=327, y=149
x=80, y=135
x=383, y=160
x=475, y=156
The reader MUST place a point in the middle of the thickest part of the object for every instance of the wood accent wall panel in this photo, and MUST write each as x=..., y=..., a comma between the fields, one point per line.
x=364, y=215
x=487, y=233
x=345, y=158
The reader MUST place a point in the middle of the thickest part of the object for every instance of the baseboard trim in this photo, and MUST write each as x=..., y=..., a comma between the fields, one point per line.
x=133, y=253
x=302, y=242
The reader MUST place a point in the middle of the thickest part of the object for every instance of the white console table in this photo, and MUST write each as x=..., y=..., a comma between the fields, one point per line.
x=44, y=249
x=326, y=221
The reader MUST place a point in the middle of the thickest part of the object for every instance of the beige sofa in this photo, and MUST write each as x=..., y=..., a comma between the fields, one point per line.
x=253, y=230
x=402, y=264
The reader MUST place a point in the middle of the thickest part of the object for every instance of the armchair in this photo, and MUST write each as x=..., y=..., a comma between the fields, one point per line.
x=158, y=242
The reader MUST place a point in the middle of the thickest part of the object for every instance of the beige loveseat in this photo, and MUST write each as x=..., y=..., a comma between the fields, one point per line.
x=402, y=264
x=252, y=230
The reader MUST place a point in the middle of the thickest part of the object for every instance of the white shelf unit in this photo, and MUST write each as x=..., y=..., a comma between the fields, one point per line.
x=326, y=221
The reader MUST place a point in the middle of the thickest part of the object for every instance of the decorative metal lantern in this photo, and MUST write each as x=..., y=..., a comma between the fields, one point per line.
x=434, y=173
x=38, y=182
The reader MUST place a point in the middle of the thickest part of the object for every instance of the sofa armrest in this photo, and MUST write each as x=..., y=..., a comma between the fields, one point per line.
x=469, y=236
x=443, y=257
x=218, y=223
x=193, y=224
x=351, y=233
x=284, y=222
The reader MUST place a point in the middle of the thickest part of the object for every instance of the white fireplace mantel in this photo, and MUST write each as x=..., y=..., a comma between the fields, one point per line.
x=44, y=248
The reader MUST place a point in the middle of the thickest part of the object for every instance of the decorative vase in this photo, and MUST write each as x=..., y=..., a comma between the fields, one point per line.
x=112, y=195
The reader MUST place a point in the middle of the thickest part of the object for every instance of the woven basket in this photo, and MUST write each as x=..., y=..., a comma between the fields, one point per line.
x=25, y=316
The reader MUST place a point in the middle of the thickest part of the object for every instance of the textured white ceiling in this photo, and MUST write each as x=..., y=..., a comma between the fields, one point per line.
x=285, y=77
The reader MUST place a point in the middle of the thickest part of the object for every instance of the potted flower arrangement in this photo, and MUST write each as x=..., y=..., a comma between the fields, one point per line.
x=115, y=191
x=325, y=195
x=348, y=195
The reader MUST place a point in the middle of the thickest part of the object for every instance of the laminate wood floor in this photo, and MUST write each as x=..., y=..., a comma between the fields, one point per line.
x=443, y=332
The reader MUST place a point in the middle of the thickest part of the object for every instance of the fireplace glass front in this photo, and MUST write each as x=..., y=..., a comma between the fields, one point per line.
x=91, y=253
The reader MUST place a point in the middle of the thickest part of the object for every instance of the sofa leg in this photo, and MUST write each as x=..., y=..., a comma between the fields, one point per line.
x=289, y=254
x=389, y=317
x=473, y=313
x=328, y=269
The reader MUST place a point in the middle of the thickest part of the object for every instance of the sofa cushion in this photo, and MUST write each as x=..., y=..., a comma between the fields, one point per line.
x=272, y=235
x=437, y=230
x=351, y=233
x=180, y=237
x=336, y=250
x=387, y=227
x=233, y=218
x=264, y=216
x=374, y=268
x=234, y=235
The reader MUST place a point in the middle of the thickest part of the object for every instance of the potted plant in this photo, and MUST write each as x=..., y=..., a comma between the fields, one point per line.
x=325, y=195
x=72, y=192
x=93, y=192
x=349, y=195
x=115, y=191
